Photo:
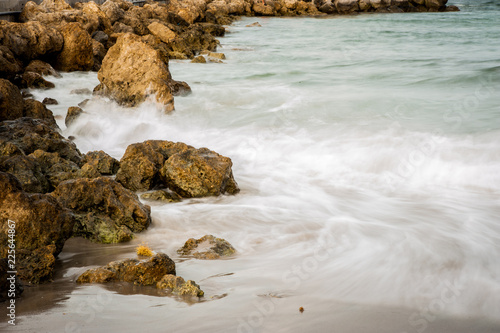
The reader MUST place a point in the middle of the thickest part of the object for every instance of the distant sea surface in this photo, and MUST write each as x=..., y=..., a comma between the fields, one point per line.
x=367, y=150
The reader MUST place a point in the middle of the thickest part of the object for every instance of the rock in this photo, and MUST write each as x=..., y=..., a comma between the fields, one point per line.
x=73, y=113
x=35, y=80
x=380, y=4
x=199, y=173
x=191, y=42
x=179, y=88
x=119, y=27
x=177, y=285
x=30, y=135
x=42, y=226
x=99, y=52
x=263, y=9
x=50, y=101
x=11, y=101
x=436, y=4
x=81, y=91
x=8, y=282
x=199, y=60
x=347, y=6
x=146, y=273
x=37, y=110
x=42, y=68
x=9, y=66
x=105, y=164
x=113, y=11
x=452, y=9
x=101, y=37
x=329, y=8
x=208, y=247
x=55, y=168
x=30, y=40
x=216, y=55
x=55, y=5
x=141, y=67
x=106, y=212
x=27, y=170
x=77, y=53
x=93, y=13
x=215, y=30
x=162, y=32
x=255, y=24
x=162, y=195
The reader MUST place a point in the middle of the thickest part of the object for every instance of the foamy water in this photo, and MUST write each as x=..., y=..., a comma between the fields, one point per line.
x=367, y=153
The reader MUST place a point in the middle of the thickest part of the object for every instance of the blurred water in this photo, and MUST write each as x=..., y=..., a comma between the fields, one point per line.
x=367, y=152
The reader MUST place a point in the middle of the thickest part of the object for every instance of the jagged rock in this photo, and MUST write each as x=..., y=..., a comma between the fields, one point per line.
x=113, y=11
x=31, y=134
x=77, y=53
x=101, y=37
x=9, y=66
x=133, y=70
x=30, y=40
x=208, y=247
x=199, y=173
x=179, y=88
x=93, y=13
x=177, y=285
x=49, y=101
x=72, y=114
x=42, y=68
x=146, y=273
x=27, y=171
x=120, y=27
x=105, y=164
x=35, y=109
x=199, y=60
x=8, y=282
x=35, y=80
x=11, y=101
x=162, y=32
x=191, y=42
x=106, y=212
x=161, y=195
x=55, y=168
x=42, y=226
x=263, y=9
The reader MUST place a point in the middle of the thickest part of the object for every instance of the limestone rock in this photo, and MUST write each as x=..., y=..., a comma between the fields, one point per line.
x=105, y=164
x=177, y=285
x=27, y=170
x=9, y=66
x=263, y=9
x=30, y=40
x=35, y=109
x=132, y=70
x=55, y=168
x=11, y=101
x=161, y=31
x=208, y=247
x=42, y=226
x=199, y=60
x=106, y=212
x=113, y=11
x=146, y=273
x=162, y=195
x=72, y=114
x=77, y=52
x=35, y=80
x=42, y=68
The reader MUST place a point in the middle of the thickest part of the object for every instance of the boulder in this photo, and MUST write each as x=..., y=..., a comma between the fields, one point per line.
x=42, y=68
x=73, y=113
x=101, y=37
x=27, y=170
x=113, y=11
x=30, y=40
x=146, y=273
x=347, y=6
x=132, y=71
x=35, y=80
x=162, y=32
x=199, y=173
x=263, y=9
x=55, y=5
x=106, y=212
x=192, y=41
x=199, y=60
x=162, y=195
x=105, y=164
x=99, y=52
x=32, y=134
x=77, y=53
x=436, y=4
x=94, y=13
x=179, y=88
x=380, y=4
x=42, y=226
x=35, y=109
x=50, y=101
x=55, y=168
x=9, y=66
x=120, y=27
x=11, y=101
x=208, y=247
x=177, y=285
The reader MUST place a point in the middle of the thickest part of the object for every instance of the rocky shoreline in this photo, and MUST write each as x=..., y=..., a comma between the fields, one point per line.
x=49, y=188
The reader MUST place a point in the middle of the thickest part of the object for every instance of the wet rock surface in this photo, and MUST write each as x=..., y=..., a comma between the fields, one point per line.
x=208, y=247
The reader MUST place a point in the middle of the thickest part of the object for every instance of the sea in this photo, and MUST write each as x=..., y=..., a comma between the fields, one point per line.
x=367, y=151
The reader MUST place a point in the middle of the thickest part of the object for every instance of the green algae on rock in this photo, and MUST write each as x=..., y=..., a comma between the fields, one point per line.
x=177, y=285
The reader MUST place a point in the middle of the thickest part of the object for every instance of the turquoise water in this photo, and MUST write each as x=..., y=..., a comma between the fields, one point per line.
x=367, y=152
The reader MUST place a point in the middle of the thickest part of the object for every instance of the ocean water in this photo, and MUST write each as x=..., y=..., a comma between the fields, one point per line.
x=367, y=150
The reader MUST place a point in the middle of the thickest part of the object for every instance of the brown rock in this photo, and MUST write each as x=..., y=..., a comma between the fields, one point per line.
x=436, y=4
x=42, y=68
x=49, y=101
x=30, y=40
x=133, y=70
x=35, y=80
x=105, y=164
x=35, y=109
x=113, y=11
x=162, y=32
x=9, y=66
x=146, y=273
x=199, y=60
x=55, y=168
x=177, y=285
x=161, y=195
x=106, y=212
x=179, y=88
x=208, y=247
x=347, y=6
x=73, y=113
x=77, y=53
x=99, y=52
x=11, y=101
x=27, y=170
x=263, y=9
x=42, y=226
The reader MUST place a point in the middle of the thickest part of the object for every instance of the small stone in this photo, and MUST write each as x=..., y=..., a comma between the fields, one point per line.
x=217, y=55
x=177, y=285
x=208, y=247
x=199, y=60
x=255, y=24
x=50, y=101
x=162, y=195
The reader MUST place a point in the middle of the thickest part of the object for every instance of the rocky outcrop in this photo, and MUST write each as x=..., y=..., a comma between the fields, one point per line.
x=187, y=171
x=105, y=211
x=207, y=247
x=42, y=226
x=77, y=53
x=177, y=285
x=132, y=71
x=146, y=273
